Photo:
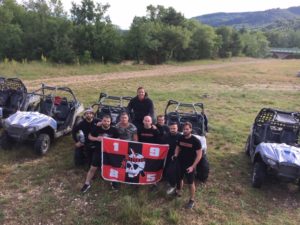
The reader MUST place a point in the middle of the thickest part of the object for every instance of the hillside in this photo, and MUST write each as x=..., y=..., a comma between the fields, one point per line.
x=256, y=19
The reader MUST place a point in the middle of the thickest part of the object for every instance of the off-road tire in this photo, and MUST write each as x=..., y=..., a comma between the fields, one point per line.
x=5, y=141
x=42, y=144
x=259, y=174
x=247, y=146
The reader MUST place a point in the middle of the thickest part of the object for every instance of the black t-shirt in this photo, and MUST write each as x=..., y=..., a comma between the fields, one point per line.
x=163, y=133
x=149, y=135
x=171, y=140
x=97, y=131
x=86, y=128
x=188, y=150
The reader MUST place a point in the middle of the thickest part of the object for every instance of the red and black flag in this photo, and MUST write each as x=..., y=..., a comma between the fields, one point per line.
x=132, y=162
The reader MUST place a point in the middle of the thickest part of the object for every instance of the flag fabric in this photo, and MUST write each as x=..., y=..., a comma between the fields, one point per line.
x=132, y=162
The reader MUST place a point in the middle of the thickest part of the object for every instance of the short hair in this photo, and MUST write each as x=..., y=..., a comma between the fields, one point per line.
x=140, y=88
x=124, y=113
x=160, y=116
x=106, y=116
x=188, y=124
x=173, y=123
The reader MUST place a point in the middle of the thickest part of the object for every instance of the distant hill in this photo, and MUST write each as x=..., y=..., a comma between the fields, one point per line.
x=258, y=19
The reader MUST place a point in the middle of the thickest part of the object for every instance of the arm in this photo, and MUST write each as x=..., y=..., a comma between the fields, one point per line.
x=135, y=137
x=197, y=160
x=92, y=138
x=151, y=108
x=176, y=153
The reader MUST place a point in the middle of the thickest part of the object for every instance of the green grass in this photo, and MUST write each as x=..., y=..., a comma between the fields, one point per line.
x=46, y=190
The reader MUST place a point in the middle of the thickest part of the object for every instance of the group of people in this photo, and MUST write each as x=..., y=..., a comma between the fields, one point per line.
x=184, y=148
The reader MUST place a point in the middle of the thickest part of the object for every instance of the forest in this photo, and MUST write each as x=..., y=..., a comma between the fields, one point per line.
x=42, y=30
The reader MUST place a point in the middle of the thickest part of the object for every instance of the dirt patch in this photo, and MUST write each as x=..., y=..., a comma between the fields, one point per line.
x=163, y=70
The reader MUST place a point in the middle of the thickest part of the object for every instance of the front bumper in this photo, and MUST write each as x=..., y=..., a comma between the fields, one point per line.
x=20, y=133
x=286, y=171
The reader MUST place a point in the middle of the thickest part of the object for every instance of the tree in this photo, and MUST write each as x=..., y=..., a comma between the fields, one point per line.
x=255, y=44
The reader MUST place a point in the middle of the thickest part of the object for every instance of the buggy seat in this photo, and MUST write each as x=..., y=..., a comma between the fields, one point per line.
x=47, y=105
x=62, y=111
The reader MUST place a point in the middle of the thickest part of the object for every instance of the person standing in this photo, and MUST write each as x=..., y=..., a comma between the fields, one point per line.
x=127, y=131
x=80, y=132
x=188, y=152
x=170, y=172
x=140, y=106
x=96, y=136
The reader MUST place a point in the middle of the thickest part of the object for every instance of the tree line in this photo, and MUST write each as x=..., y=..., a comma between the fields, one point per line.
x=39, y=29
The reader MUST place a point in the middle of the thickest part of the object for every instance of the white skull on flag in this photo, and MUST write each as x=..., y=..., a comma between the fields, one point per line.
x=135, y=164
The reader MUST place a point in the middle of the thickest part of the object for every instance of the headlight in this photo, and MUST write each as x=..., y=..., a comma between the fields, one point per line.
x=30, y=129
x=271, y=162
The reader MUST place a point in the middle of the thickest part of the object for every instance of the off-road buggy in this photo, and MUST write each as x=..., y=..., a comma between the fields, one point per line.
x=273, y=145
x=179, y=112
x=112, y=106
x=54, y=111
x=12, y=96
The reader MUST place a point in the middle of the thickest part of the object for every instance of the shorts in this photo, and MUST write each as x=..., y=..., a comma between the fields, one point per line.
x=190, y=177
x=97, y=158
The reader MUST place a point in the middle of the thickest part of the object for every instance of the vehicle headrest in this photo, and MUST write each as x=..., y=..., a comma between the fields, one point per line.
x=64, y=101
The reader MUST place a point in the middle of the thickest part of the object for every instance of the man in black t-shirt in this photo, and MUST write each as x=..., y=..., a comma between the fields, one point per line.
x=188, y=152
x=83, y=148
x=163, y=129
x=96, y=136
x=149, y=132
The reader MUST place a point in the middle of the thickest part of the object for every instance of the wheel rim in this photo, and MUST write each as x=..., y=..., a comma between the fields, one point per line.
x=45, y=145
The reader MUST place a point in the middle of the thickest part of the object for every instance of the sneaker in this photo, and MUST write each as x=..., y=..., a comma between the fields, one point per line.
x=177, y=194
x=85, y=188
x=190, y=204
x=171, y=190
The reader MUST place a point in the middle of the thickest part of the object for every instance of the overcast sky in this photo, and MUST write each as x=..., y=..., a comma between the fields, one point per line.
x=122, y=12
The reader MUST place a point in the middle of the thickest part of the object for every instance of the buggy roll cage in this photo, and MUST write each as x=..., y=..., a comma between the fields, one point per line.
x=12, y=83
x=194, y=106
x=274, y=117
x=275, y=123
x=53, y=88
x=104, y=96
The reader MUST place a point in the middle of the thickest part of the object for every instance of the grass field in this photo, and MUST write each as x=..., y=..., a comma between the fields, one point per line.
x=45, y=190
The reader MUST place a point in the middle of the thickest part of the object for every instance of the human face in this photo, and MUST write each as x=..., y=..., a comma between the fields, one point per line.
x=141, y=94
x=173, y=129
x=89, y=116
x=124, y=119
x=147, y=121
x=106, y=123
x=187, y=131
x=161, y=120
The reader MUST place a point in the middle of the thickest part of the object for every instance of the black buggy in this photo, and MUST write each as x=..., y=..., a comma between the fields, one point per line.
x=12, y=96
x=112, y=106
x=179, y=112
x=273, y=145
x=53, y=113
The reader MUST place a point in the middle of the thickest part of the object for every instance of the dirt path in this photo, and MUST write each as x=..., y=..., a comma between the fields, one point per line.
x=163, y=70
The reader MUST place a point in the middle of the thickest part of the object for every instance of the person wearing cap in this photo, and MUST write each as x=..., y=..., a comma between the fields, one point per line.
x=83, y=147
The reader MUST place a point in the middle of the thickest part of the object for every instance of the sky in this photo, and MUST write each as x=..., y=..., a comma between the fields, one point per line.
x=122, y=12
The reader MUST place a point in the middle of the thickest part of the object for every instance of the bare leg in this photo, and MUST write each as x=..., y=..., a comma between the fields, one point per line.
x=192, y=191
x=90, y=174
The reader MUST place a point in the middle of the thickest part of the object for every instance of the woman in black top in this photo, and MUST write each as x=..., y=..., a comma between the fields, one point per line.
x=140, y=106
